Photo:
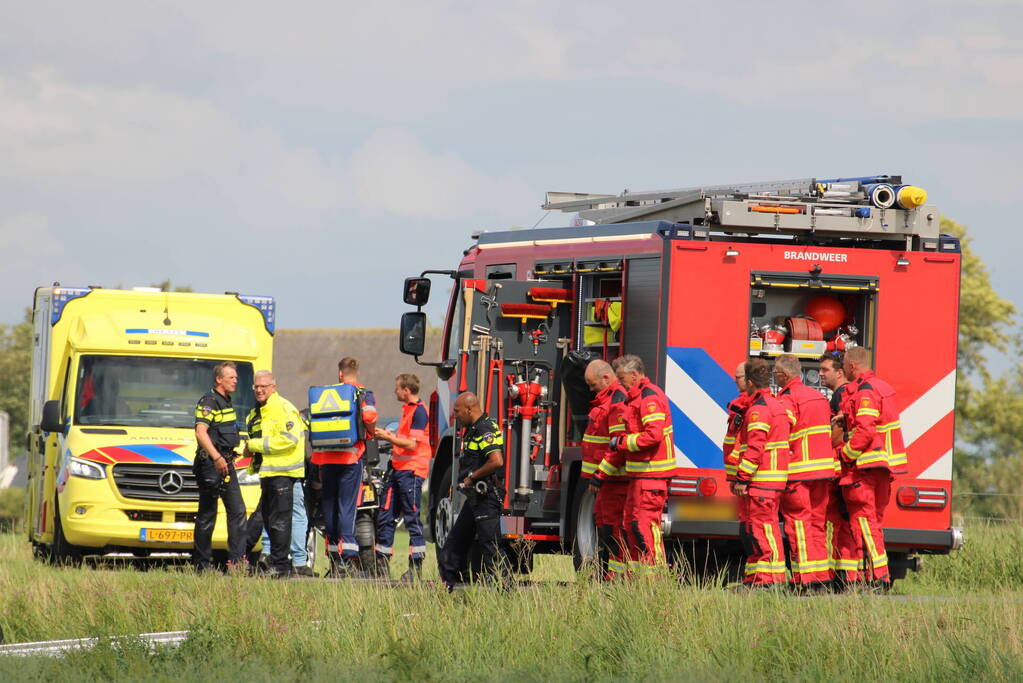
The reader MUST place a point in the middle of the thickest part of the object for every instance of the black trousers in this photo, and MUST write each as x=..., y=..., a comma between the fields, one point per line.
x=206, y=518
x=479, y=522
x=275, y=502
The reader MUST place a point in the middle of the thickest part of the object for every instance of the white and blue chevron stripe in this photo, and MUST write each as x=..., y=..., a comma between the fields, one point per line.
x=699, y=391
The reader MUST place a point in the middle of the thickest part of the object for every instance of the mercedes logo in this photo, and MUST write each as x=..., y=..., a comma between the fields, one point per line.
x=171, y=482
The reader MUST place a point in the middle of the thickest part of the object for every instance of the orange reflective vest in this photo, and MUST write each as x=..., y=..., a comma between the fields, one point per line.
x=413, y=425
x=764, y=462
x=872, y=419
x=811, y=455
x=352, y=455
x=605, y=409
x=645, y=442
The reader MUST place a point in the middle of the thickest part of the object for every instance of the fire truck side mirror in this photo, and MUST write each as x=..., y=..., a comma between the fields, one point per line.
x=417, y=291
x=413, y=333
x=51, y=421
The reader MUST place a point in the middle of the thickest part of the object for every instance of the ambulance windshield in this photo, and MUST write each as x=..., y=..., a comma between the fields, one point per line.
x=132, y=391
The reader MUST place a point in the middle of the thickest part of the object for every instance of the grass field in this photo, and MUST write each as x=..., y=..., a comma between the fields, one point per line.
x=961, y=617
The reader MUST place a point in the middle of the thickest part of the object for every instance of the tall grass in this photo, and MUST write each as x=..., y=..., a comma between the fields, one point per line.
x=653, y=629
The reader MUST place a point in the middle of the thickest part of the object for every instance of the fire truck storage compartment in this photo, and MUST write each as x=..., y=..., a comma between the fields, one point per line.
x=599, y=326
x=809, y=314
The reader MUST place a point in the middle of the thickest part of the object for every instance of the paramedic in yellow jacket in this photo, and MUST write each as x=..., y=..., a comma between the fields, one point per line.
x=277, y=446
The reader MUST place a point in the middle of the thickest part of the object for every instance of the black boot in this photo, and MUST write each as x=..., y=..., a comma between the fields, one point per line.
x=415, y=570
x=382, y=567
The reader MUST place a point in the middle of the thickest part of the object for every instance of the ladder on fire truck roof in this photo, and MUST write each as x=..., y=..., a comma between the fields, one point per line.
x=866, y=208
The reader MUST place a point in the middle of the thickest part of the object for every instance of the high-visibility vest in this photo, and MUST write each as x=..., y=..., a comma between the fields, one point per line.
x=416, y=459
x=277, y=432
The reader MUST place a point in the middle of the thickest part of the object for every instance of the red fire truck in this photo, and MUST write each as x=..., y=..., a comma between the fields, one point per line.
x=694, y=282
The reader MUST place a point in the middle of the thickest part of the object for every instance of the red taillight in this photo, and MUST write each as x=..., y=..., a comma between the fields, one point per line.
x=917, y=497
x=708, y=486
x=692, y=486
x=906, y=496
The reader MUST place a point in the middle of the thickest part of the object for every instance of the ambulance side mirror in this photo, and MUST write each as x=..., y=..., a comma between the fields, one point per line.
x=413, y=333
x=51, y=421
x=417, y=291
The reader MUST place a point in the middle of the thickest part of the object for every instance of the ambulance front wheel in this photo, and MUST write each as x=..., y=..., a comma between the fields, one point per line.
x=62, y=553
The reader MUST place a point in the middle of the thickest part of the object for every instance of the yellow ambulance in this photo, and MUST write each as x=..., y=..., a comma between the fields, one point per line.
x=116, y=375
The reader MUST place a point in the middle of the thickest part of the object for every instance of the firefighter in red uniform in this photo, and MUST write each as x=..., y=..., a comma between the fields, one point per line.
x=341, y=476
x=609, y=506
x=811, y=470
x=838, y=534
x=761, y=477
x=876, y=454
x=410, y=463
x=646, y=452
x=736, y=410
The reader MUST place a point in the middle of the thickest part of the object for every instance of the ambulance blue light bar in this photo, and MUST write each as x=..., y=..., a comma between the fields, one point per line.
x=265, y=305
x=61, y=297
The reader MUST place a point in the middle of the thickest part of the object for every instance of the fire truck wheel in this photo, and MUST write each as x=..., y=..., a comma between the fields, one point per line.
x=441, y=510
x=584, y=532
x=63, y=554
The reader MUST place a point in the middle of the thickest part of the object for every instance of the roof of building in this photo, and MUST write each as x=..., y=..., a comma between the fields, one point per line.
x=304, y=358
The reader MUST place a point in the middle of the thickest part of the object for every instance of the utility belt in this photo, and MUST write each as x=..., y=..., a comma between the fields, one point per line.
x=205, y=471
x=489, y=485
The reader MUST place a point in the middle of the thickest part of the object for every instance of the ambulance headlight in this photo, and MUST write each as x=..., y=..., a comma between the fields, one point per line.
x=86, y=469
x=246, y=479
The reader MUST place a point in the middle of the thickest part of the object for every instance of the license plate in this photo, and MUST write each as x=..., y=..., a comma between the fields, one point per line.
x=704, y=511
x=167, y=535
x=369, y=494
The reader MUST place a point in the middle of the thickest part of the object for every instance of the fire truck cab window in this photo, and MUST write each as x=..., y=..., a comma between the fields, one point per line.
x=501, y=271
x=810, y=316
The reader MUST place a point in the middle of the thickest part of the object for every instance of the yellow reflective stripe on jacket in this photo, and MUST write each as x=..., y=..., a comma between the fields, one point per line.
x=748, y=466
x=898, y=459
x=871, y=457
x=610, y=470
x=770, y=475
x=650, y=417
x=729, y=439
x=619, y=427
x=851, y=452
x=810, y=465
x=889, y=427
x=631, y=442
x=819, y=429
x=731, y=469
x=868, y=411
x=593, y=438
x=589, y=467
x=775, y=445
x=763, y=426
x=633, y=466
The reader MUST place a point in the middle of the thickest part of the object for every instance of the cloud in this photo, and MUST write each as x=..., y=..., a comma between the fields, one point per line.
x=394, y=173
x=889, y=61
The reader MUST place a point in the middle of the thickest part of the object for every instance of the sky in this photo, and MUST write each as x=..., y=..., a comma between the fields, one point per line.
x=322, y=151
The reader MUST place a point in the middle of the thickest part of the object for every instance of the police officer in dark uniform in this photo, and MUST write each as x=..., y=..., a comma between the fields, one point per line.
x=481, y=478
x=216, y=431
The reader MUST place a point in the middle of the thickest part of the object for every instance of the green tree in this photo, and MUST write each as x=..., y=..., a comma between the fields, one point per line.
x=15, y=376
x=989, y=411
